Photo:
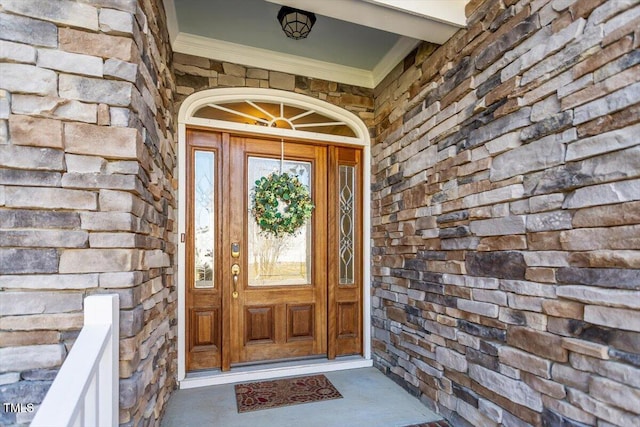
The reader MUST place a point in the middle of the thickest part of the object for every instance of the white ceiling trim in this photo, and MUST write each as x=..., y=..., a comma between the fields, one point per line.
x=266, y=59
x=388, y=16
x=446, y=11
x=172, y=19
x=397, y=53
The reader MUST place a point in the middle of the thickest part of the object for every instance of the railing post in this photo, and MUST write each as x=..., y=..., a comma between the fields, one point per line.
x=98, y=310
x=85, y=391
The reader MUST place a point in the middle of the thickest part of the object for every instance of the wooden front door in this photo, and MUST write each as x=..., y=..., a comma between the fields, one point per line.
x=254, y=298
x=281, y=306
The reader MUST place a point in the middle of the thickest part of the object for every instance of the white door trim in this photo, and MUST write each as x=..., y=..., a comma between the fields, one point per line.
x=362, y=139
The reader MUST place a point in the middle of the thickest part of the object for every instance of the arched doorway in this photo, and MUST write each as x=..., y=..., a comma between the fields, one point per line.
x=237, y=313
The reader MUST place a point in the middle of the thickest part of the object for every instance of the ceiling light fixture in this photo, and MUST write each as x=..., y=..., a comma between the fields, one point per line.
x=296, y=23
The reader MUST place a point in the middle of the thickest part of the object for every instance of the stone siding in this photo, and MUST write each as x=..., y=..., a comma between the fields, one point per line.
x=506, y=192
x=505, y=200
x=87, y=198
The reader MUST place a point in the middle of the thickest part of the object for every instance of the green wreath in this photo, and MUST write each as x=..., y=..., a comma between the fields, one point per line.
x=280, y=204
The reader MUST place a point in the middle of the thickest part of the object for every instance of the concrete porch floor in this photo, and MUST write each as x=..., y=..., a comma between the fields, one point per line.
x=369, y=400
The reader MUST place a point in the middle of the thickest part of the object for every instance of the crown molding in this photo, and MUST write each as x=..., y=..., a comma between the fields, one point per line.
x=172, y=19
x=397, y=53
x=270, y=60
x=451, y=12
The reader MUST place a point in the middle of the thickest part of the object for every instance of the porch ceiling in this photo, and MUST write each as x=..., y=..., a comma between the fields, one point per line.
x=353, y=41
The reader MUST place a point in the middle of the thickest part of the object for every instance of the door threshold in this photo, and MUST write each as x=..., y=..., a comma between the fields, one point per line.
x=273, y=370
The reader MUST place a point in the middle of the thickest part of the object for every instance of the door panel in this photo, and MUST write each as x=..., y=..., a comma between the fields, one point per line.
x=259, y=325
x=347, y=320
x=300, y=322
x=206, y=328
x=287, y=274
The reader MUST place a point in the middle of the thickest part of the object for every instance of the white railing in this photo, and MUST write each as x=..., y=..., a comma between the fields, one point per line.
x=85, y=391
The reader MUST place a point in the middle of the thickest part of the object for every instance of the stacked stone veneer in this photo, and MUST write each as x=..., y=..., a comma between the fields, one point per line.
x=87, y=198
x=506, y=217
x=505, y=204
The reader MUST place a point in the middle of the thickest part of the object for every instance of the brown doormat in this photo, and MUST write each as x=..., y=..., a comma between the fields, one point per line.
x=284, y=392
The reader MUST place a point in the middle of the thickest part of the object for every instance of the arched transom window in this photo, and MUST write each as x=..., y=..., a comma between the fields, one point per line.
x=273, y=112
x=276, y=115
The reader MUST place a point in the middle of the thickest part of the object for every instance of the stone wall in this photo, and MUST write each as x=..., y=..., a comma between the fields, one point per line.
x=194, y=74
x=506, y=223
x=505, y=204
x=87, y=198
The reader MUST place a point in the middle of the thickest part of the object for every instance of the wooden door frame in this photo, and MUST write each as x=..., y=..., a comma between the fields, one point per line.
x=362, y=140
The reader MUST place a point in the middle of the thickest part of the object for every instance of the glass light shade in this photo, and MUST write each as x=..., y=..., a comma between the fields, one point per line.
x=296, y=23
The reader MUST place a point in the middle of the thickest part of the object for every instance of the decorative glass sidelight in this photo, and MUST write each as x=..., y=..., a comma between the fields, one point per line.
x=285, y=260
x=346, y=183
x=204, y=219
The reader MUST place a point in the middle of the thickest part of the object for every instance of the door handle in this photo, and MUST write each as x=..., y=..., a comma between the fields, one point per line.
x=235, y=271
